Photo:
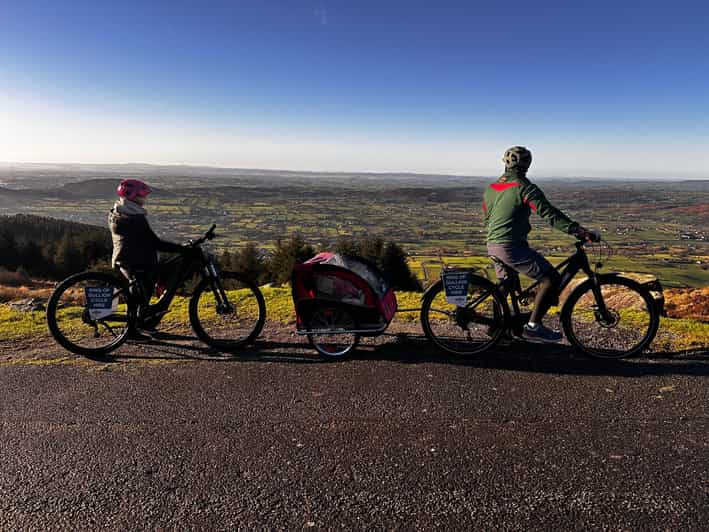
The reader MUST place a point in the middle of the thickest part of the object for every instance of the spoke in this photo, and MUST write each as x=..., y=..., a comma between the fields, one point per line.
x=70, y=306
x=445, y=312
x=228, y=314
x=108, y=327
x=622, y=323
x=463, y=330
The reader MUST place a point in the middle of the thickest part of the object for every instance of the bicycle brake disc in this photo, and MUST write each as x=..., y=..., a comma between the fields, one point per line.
x=608, y=323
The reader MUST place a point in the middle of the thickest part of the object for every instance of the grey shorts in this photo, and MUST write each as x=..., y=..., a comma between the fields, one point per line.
x=521, y=258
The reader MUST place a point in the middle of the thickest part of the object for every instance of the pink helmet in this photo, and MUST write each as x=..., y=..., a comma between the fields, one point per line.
x=133, y=188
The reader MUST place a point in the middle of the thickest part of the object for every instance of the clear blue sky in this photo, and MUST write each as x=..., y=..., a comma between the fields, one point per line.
x=593, y=88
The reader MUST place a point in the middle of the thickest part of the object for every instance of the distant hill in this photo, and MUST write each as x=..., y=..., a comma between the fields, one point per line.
x=98, y=188
x=46, y=176
x=57, y=174
x=137, y=169
x=87, y=189
x=10, y=197
x=40, y=175
x=16, y=193
x=105, y=189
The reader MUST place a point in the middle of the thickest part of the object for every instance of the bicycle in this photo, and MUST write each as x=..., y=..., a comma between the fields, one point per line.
x=606, y=316
x=91, y=313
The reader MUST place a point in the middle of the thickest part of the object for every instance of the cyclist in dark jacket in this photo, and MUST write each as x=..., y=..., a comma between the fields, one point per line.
x=135, y=244
x=507, y=206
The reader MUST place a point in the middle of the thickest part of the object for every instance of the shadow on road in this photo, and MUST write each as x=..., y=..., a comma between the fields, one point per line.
x=556, y=359
x=415, y=349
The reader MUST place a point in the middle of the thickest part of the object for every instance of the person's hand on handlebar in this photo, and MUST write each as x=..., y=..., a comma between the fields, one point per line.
x=191, y=250
x=587, y=235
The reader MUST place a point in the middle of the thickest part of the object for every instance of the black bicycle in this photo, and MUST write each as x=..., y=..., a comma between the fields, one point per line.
x=606, y=316
x=91, y=313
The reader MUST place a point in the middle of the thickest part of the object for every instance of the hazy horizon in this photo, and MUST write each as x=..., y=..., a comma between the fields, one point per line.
x=196, y=167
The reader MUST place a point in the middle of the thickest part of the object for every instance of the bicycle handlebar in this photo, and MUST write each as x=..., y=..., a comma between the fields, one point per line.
x=209, y=235
x=588, y=236
x=594, y=236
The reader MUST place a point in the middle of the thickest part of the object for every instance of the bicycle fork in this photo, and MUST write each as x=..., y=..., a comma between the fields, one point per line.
x=600, y=311
x=220, y=296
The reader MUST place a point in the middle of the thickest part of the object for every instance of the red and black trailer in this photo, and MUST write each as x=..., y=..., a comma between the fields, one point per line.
x=338, y=299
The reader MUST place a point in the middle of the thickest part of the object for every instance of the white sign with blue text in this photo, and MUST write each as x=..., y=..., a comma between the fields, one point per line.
x=456, y=287
x=100, y=301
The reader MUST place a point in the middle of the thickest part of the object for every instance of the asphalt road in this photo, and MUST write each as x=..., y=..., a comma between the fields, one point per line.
x=398, y=438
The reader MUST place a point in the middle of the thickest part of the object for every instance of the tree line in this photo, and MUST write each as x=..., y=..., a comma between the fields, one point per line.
x=276, y=266
x=47, y=248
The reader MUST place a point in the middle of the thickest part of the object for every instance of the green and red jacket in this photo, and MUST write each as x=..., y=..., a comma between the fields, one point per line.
x=507, y=205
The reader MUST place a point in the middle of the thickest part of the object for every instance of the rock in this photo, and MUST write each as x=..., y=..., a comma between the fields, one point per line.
x=27, y=305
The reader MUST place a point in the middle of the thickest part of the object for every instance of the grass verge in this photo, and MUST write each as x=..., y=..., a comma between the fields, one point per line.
x=675, y=335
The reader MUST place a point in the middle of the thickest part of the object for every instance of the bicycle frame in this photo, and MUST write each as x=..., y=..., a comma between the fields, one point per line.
x=567, y=269
x=186, y=268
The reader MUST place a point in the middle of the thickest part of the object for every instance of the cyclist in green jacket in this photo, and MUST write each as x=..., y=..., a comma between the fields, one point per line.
x=507, y=205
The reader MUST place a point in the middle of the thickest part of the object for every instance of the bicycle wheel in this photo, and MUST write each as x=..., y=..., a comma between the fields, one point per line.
x=626, y=328
x=89, y=313
x=465, y=330
x=333, y=319
x=230, y=324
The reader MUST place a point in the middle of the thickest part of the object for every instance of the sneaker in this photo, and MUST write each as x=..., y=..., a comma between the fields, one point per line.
x=151, y=321
x=138, y=337
x=540, y=334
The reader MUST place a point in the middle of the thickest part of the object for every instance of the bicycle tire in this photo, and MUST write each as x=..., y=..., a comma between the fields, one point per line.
x=326, y=316
x=489, y=334
x=55, y=303
x=256, y=303
x=627, y=301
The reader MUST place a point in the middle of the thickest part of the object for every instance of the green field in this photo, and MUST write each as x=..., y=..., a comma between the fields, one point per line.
x=652, y=227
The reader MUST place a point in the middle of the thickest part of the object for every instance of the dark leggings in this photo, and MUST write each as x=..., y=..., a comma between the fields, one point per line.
x=547, y=295
x=142, y=289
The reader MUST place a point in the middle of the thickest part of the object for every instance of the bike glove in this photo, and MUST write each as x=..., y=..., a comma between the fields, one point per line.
x=191, y=251
x=587, y=235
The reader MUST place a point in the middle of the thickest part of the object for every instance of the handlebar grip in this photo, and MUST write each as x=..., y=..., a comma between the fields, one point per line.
x=584, y=235
x=207, y=236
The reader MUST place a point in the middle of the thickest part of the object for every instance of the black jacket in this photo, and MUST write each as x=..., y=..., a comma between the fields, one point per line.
x=135, y=245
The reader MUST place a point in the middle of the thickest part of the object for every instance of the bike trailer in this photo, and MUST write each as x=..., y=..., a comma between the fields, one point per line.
x=345, y=282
